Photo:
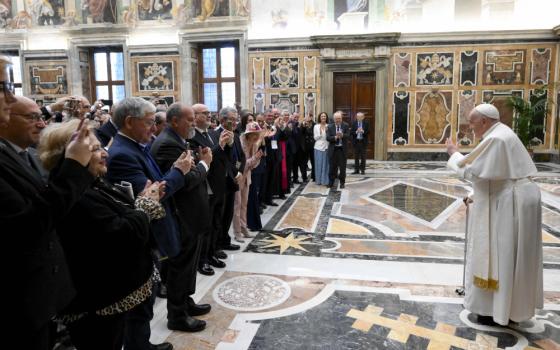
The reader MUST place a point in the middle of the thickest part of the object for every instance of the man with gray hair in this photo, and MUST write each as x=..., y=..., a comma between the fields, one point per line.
x=130, y=161
x=234, y=164
x=360, y=132
x=337, y=136
x=504, y=267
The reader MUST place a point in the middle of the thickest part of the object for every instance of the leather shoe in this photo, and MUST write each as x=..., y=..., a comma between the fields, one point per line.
x=220, y=254
x=205, y=269
x=187, y=325
x=230, y=247
x=282, y=197
x=341, y=185
x=363, y=172
x=214, y=262
x=355, y=172
x=194, y=309
x=162, y=346
x=271, y=204
x=486, y=320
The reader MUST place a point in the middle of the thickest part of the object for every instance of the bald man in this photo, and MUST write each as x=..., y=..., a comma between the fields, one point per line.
x=504, y=268
x=23, y=131
x=30, y=211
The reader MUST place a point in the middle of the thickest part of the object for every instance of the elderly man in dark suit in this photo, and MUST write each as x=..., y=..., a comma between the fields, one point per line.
x=234, y=165
x=130, y=161
x=193, y=207
x=337, y=135
x=204, y=138
x=360, y=133
x=30, y=210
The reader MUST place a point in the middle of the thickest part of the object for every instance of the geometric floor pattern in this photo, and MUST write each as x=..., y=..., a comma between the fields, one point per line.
x=371, y=266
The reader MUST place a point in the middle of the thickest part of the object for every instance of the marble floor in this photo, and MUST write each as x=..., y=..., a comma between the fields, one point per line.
x=372, y=266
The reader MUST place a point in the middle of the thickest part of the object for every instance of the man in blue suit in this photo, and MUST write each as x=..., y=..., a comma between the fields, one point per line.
x=130, y=160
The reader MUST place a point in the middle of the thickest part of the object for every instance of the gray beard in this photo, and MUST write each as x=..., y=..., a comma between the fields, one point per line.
x=192, y=133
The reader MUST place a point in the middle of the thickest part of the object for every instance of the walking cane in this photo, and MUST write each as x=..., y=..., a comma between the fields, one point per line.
x=461, y=291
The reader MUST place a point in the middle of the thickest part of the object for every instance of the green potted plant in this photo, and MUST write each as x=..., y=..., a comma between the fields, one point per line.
x=527, y=116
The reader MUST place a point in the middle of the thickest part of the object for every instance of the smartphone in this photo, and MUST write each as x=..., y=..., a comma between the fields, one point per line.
x=229, y=125
x=107, y=102
x=188, y=147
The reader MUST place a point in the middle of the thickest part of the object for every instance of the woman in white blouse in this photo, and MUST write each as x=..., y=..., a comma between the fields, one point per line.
x=321, y=145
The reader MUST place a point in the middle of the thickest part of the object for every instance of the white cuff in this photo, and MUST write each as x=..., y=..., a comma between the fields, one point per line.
x=204, y=165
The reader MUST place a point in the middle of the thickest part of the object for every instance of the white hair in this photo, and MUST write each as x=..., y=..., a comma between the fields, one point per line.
x=135, y=107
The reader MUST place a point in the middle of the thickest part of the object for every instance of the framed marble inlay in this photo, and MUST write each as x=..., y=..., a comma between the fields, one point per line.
x=469, y=68
x=540, y=65
x=288, y=102
x=259, y=102
x=284, y=72
x=499, y=99
x=504, y=67
x=410, y=201
x=310, y=103
x=535, y=96
x=467, y=102
x=156, y=76
x=401, y=112
x=310, y=72
x=435, y=68
x=47, y=78
x=401, y=69
x=251, y=293
x=258, y=73
x=433, y=113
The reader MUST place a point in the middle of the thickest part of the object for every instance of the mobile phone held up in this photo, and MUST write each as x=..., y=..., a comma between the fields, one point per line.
x=229, y=125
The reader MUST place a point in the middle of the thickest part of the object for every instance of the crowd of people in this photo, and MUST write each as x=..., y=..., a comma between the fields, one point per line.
x=109, y=206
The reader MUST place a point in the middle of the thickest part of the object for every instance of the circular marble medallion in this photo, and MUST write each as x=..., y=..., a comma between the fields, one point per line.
x=251, y=293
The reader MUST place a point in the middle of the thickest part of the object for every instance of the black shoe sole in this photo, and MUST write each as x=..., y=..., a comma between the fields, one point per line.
x=180, y=328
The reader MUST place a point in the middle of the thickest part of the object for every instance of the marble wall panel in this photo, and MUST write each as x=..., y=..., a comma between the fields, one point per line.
x=401, y=111
x=259, y=102
x=310, y=103
x=284, y=72
x=434, y=68
x=469, y=68
x=433, y=117
x=401, y=69
x=540, y=119
x=258, y=72
x=499, y=99
x=47, y=78
x=156, y=76
x=504, y=67
x=540, y=65
x=289, y=102
x=287, y=79
x=310, y=72
x=467, y=102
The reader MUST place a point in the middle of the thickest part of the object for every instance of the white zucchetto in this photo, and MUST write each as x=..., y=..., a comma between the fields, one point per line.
x=488, y=110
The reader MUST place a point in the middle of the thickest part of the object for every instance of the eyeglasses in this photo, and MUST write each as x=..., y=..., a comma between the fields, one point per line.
x=32, y=117
x=205, y=112
x=149, y=122
x=8, y=88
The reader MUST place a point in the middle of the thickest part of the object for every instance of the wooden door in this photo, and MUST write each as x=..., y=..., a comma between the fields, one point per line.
x=353, y=93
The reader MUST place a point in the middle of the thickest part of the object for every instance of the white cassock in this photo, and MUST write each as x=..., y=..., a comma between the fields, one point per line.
x=504, y=268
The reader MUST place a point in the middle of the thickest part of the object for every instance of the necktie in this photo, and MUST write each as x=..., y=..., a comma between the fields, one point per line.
x=360, y=135
x=206, y=136
x=339, y=143
x=25, y=156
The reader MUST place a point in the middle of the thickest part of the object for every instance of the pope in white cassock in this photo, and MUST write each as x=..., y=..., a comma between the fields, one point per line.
x=504, y=269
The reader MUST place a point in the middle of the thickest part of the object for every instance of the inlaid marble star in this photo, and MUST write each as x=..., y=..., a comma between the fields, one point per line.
x=286, y=242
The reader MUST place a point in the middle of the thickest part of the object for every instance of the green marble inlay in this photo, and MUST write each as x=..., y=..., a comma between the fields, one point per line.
x=426, y=205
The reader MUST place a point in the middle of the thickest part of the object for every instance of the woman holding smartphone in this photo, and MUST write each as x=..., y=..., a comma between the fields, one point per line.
x=105, y=240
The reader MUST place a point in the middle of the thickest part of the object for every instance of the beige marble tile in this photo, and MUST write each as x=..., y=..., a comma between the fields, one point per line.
x=344, y=227
x=302, y=214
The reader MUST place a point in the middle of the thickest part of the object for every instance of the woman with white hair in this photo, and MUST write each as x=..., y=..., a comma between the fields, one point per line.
x=105, y=240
